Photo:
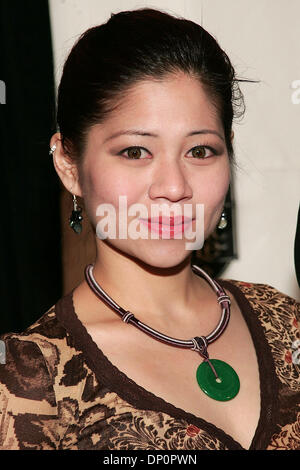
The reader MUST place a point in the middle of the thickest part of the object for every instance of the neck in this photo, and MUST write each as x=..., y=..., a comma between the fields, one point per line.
x=154, y=294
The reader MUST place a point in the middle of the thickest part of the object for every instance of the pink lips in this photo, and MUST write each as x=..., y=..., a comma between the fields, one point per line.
x=167, y=225
x=169, y=221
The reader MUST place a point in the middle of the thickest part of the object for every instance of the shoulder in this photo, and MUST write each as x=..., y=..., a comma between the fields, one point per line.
x=276, y=311
x=24, y=360
x=27, y=398
x=46, y=343
x=34, y=379
x=279, y=316
x=35, y=344
x=264, y=298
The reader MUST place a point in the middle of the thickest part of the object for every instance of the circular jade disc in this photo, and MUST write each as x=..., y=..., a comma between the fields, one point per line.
x=224, y=390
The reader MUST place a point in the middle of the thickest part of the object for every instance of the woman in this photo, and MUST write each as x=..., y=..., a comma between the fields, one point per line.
x=145, y=109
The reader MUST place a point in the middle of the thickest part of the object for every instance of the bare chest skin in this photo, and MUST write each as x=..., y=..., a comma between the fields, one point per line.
x=170, y=372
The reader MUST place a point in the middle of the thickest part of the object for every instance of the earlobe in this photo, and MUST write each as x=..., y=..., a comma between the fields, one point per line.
x=64, y=166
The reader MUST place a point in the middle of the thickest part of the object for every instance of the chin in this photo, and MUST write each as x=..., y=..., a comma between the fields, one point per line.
x=162, y=258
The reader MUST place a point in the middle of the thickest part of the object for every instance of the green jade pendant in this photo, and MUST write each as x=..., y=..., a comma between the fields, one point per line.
x=223, y=386
x=217, y=379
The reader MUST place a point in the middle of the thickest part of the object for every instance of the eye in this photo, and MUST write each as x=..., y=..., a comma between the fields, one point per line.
x=134, y=153
x=203, y=151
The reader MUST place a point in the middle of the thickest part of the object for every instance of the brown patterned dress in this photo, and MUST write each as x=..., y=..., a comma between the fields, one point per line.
x=59, y=391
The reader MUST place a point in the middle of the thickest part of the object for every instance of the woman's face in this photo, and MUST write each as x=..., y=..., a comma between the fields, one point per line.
x=179, y=123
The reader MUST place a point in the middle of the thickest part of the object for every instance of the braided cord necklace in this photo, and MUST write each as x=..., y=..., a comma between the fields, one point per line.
x=216, y=378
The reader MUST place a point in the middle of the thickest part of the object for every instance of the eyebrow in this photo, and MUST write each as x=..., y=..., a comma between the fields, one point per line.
x=140, y=132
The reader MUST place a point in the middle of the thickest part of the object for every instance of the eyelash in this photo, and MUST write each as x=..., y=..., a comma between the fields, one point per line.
x=139, y=147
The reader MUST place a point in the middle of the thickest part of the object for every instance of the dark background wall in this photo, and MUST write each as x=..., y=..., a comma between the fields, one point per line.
x=30, y=235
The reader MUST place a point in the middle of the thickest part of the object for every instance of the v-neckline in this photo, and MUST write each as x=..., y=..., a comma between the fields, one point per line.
x=126, y=388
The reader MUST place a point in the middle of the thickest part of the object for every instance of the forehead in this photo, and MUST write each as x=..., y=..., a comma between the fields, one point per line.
x=176, y=89
x=179, y=101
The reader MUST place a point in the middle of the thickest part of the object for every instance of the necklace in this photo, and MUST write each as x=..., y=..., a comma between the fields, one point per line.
x=216, y=378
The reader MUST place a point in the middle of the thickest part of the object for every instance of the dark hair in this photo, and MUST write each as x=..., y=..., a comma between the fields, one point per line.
x=136, y=45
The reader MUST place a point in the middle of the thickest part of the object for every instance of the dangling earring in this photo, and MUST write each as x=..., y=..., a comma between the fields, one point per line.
x=76, y=217
x=223, y=221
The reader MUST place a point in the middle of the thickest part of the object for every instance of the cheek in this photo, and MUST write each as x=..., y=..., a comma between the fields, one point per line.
x=106, y=186
x=211, y=188
x=212, y=193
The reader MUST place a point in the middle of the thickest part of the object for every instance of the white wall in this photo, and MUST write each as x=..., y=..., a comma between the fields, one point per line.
x=262, y=39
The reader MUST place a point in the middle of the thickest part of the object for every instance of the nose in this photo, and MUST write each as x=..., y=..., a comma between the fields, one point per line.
x=170, y=181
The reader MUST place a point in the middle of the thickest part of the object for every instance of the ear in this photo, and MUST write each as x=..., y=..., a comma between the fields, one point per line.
x=65, y=167
x=232, y=136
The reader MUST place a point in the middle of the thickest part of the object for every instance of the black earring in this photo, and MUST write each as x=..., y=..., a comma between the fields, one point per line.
x=76, y=217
